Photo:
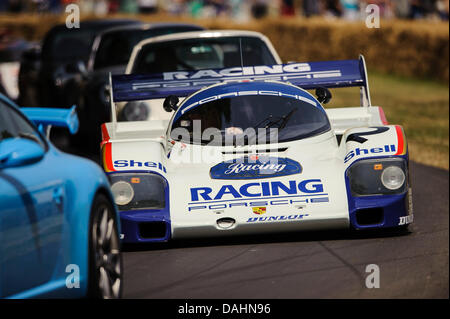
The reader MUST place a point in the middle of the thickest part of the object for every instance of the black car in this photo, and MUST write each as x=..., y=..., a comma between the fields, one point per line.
x=110, y=53
x=47, y=72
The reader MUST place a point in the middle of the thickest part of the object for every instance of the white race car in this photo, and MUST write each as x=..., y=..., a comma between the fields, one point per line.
x=249, y=150
x=191, y=51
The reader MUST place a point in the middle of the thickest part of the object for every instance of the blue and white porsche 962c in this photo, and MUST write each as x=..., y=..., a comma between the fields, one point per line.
x=249, y=150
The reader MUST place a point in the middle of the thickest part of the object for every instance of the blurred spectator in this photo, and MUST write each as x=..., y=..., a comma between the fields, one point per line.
x=402, y=8
x=443, y=8
x=386, y=7
x=350, y=9
x=15, y=6
x=332, y=8
x=287, y=8
x=259, y=9
x=147, y=6
x=239, y=10
x=242, y=10
x=128, y=6
x=310, y=8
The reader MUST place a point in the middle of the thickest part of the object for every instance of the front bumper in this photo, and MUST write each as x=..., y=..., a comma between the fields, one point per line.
x=144, y=226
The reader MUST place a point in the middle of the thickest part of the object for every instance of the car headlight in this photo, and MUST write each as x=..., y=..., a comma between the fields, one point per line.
x=378, y=177
x=138, y=190
x=393, y=177
x=134, y=111
x=123, y=192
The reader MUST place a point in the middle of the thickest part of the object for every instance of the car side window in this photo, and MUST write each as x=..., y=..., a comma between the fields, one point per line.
x=13, y=124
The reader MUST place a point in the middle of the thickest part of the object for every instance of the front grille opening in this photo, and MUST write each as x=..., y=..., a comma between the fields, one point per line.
x=266, y=150
x=369, y=216
x=152, y=230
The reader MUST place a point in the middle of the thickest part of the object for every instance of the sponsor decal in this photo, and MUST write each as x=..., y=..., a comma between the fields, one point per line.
x=276, y=201
x=133, y=164
x=246, y=93
x=291, y=200
x=259, y=210
x=257, y=189
x=237, y=71
x=404, y=220
x=181, y=79
x=366, y=151
x=277, y=218
x=255, y=167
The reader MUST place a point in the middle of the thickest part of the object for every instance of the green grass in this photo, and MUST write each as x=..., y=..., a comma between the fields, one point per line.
x=420, y=106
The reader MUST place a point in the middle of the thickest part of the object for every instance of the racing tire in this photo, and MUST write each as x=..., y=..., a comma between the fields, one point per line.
x=105, y=259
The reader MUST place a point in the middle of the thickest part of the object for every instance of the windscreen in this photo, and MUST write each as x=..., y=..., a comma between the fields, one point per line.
x=250, y=120
x=68, y=45
x=202, y=53
x=122, y=43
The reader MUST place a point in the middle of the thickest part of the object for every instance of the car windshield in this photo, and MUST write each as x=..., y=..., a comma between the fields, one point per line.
x=202, y=53
x=14, y=125
x=247, y=120
x=68, y=45
x=122, y=43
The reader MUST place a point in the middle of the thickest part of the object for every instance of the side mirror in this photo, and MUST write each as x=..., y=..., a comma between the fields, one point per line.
x=323, y=95
x=19, y=151
x=170, y=103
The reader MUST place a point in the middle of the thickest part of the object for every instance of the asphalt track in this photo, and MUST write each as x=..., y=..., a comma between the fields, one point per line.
x=413, y=264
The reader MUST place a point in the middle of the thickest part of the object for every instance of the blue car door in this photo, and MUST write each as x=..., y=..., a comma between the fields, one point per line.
x=31, y=212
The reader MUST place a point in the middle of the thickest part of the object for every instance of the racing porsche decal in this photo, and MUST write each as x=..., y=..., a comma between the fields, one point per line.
x=402, y=147
x=257, y=189
x=107, y=158
x=259, y=210
x=258, y=194
x=255, y=167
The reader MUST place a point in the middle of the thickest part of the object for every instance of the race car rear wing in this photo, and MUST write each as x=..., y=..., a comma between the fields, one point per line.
x=45, y=118
x=330, y=74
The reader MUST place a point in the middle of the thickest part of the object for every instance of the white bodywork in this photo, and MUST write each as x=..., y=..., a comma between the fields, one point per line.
x=321, y=159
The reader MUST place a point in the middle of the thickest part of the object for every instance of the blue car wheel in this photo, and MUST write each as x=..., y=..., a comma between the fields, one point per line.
x=105, y=261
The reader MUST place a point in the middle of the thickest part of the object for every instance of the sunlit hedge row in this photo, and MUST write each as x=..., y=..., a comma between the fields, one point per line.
x=408, y=49
x=413, y=49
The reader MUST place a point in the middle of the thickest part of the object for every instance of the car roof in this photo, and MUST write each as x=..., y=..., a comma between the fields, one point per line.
x=146, y=26
x=99, y=24
x=201, y=34
x=133, y=27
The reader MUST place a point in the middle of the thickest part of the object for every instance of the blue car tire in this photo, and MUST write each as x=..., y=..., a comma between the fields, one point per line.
x=105, y=260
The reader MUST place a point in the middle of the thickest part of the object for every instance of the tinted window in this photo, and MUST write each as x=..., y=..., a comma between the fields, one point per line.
x=68, y=45
x=115, y=47
x=13, y=124
x=196, y=54
x=237, y=117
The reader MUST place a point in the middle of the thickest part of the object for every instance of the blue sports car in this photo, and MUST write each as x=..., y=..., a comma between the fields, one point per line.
x=59, y=225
